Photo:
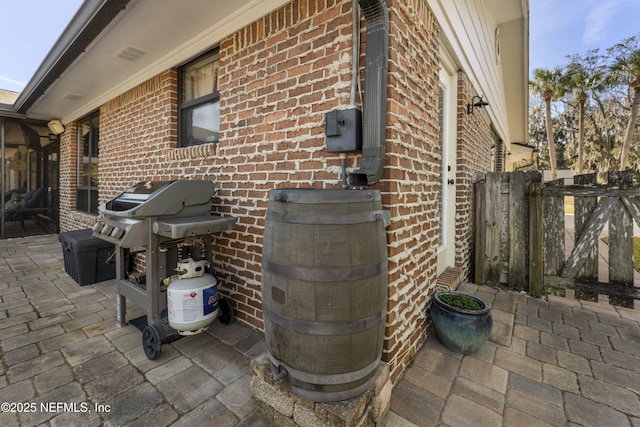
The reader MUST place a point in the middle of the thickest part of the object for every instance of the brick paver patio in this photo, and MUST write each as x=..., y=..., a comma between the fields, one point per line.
x=564, y=363
x=64, y=362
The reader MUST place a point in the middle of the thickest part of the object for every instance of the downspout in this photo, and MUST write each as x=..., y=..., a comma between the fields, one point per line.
x=374, y=120
x=355, y=53
x=355, y=77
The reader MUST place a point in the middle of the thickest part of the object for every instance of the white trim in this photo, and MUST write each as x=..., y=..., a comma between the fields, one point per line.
x=468, y=33
x=448, y=81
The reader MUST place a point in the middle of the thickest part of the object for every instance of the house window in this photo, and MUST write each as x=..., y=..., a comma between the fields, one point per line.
x=200, y=101
x=87, y=184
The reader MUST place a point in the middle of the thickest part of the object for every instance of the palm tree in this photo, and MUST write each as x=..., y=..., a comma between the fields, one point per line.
x=585, y=75
x=550, y=85
x=627, y=67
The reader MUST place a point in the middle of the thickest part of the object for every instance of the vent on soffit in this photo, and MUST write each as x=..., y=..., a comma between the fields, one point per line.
x=72, y=96
x=129, y=53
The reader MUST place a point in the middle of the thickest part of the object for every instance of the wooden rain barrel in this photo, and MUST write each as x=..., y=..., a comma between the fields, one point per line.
x=324, y=290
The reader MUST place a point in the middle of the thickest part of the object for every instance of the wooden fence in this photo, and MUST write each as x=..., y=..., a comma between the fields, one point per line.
x=520, y=229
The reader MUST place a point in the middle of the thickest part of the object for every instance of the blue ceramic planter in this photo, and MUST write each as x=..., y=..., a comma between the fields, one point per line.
x=460, y=330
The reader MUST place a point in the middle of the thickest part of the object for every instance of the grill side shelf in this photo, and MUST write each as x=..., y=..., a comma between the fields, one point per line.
x=176, y=228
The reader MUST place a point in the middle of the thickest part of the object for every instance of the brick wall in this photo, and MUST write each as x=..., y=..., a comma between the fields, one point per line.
x=500, y=155
x=137, y=131
x=278, y=77
x=70, y=219
x=412, y=177
x=473, y=155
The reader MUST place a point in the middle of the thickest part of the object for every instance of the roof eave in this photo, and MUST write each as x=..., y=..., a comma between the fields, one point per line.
x=7, y=110
x=90, y=20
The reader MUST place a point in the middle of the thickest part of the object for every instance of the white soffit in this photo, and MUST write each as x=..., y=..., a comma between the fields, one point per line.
x=148, y=38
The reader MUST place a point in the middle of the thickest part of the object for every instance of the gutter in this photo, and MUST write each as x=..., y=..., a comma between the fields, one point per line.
x=6, y=110
x=87, y=24
x=374, y=120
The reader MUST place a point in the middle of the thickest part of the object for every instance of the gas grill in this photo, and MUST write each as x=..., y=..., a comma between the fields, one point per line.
x=168, y=221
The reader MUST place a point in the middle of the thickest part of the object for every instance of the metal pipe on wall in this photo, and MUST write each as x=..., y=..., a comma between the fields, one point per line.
x=355, y=52
x=375, y=98
x=355, y=76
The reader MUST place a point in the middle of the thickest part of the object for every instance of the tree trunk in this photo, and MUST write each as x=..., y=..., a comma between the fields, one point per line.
x=550, y=140
x=581, y=99
x=628, y=134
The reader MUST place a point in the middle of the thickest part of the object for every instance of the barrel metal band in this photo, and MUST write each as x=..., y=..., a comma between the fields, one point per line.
x=330, y=219
x=323, y=196
x=325, y=274
x=325, y=379
x=311, y=327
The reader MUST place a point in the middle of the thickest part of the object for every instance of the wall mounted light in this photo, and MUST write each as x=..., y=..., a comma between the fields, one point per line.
x=480, y=103
x=56, y=127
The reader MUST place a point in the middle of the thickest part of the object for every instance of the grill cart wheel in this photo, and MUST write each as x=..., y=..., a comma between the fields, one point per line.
x=151, y=342
x=226, y=311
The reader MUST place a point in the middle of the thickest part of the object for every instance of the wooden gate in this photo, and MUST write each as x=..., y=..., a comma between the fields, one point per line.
x=521, y=232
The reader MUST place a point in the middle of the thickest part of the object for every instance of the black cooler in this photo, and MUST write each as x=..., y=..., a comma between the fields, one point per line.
x=86, y=258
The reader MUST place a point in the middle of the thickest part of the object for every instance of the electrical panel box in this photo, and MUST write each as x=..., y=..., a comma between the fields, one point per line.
x=344, y=130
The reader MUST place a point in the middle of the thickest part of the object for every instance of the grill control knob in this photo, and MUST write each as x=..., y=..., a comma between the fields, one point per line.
x=98, y=227
x=106, y=230
x=117, y=233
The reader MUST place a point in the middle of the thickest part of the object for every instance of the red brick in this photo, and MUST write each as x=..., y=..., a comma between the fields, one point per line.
x=278, y=78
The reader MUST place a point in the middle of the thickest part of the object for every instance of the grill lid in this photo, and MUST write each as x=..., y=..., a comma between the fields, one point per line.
x=161, y=199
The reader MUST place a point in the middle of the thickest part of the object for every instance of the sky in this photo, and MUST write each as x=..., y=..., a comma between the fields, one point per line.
x=29, y=28
x=28, y=31
x=565, y=27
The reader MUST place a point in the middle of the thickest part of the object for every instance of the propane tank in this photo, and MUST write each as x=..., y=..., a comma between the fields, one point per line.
x=192, y=298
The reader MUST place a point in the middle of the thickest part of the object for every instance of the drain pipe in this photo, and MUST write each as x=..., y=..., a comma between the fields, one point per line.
x=355, y=74
x=355, y=52
x=374, y=120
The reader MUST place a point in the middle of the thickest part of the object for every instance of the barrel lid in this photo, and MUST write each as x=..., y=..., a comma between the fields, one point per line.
x=323, y=195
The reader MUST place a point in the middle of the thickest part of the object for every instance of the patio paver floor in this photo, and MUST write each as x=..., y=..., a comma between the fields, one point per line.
x=65, y=363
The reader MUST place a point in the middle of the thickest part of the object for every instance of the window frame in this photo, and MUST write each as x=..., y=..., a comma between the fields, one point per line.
x=187, y=107
x=91, y=191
